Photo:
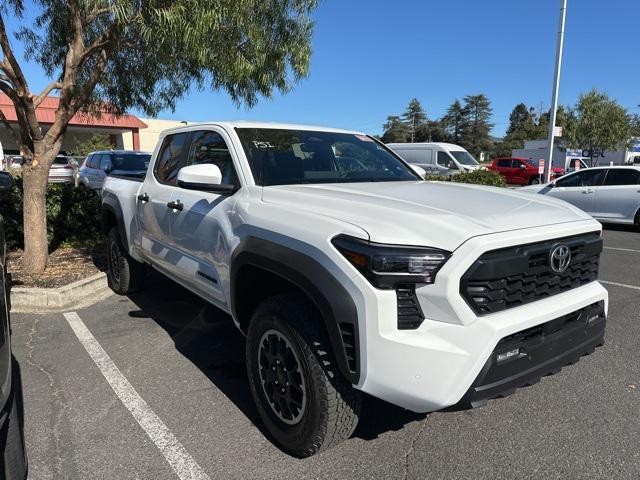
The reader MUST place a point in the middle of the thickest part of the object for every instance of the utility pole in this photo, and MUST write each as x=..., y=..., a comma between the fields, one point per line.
x=556, y=87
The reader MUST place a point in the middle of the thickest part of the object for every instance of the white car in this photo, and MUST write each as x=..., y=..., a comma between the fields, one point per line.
x=609, y=194
x=348, y=273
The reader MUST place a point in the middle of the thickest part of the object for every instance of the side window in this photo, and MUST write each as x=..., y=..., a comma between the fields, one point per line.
x=622, y=176
x=94, y=162
x=209, y=147
x=504, y=163
x=412, y=156
x=443, y=159
x=105, y=163
x=428, y=155
x=583, y=178
x=170, y=158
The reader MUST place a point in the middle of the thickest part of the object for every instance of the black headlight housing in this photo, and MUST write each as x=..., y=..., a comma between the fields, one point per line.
x=389, y=266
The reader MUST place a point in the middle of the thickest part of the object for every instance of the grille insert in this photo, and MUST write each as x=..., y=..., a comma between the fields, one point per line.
x=507, y=278
x=410, y=314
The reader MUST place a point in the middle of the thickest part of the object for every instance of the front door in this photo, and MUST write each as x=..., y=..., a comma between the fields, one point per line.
x=154, y=202
x=579, y=188
x=201, y=232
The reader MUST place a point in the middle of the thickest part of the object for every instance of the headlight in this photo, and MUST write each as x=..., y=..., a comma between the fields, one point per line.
x=387, y=266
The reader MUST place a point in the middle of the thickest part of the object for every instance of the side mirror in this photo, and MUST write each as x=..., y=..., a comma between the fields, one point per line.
x=6, y=181
x=206, y=177
x=522, y=167
x=419, y=170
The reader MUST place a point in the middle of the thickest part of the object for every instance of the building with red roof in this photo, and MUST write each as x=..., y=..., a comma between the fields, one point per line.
x=122, y=129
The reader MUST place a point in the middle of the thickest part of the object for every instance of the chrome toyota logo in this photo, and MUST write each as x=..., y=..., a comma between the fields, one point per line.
x=559, y=258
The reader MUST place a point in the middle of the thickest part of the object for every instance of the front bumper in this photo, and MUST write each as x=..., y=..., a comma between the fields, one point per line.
x=523, y=358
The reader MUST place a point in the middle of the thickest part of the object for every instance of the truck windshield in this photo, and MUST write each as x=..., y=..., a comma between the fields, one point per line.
x=130, y=161
x=285, y=157
x=464, y=158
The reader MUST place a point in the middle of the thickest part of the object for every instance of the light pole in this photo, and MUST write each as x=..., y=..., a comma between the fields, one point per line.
x=556, y=87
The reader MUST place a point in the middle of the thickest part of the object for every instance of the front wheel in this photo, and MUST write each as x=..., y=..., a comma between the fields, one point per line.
x=302, y=398
x=534, y=181
x=125, y=275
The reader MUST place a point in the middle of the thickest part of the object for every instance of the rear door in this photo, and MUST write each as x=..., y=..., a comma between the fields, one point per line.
x=619, y=196
x=503, y=167
x=579, y=188
x=201, y=231
x=154, y=205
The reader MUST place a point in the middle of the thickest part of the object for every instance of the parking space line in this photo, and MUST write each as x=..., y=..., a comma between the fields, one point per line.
x=633, y=287
x=622, y=249
x=182, y=463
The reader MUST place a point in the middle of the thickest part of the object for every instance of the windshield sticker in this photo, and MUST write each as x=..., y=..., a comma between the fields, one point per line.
x=259, y=144
x=363, y=138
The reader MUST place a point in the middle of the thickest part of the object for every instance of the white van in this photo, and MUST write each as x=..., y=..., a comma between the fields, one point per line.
x=436, y=158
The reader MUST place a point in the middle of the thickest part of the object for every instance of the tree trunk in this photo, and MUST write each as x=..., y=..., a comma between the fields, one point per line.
x=36, y=246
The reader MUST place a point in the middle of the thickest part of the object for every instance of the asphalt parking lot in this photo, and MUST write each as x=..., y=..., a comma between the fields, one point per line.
x=183, y=407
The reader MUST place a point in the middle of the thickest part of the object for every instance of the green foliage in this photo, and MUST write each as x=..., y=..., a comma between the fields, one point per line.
x=475, y=134
x=157, y=49
x=597, y=123
x=454, y=122
x=94, y=143
x=395, y=131
x=73, y=215
x=414, y=117
x=477, y=177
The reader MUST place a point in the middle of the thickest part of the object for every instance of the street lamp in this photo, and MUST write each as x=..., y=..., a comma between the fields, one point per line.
x=556, y=87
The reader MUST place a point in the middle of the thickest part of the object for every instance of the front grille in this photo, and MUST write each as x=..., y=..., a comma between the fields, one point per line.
x=410, y=314
x=510, y=277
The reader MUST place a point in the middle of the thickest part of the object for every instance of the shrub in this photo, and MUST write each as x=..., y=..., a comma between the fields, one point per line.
x=73, y=215
x=477, y=177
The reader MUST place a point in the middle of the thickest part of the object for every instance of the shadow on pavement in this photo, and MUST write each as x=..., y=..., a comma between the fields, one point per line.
x=619, y=227
x=210, y=340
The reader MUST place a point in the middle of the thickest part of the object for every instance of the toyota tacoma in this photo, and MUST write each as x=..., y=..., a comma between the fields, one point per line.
x=348, y=273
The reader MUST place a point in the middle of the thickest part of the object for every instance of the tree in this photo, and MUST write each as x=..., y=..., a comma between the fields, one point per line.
x=454, y=121
x=414, y=117
x=92, y=144
x=597, y=123
x=121, y=54
x=395, y=130
x=475, y=136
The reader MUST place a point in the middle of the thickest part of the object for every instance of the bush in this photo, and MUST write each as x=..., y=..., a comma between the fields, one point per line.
x=73, y=215
x=477, y=177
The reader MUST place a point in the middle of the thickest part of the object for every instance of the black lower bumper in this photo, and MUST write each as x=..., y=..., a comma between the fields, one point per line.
x=523, y=358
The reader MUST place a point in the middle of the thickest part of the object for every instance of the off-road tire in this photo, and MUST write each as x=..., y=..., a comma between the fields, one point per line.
x=125, y=275
x=332, y=404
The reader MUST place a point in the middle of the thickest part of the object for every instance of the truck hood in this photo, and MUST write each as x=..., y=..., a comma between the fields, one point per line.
x=437, y=214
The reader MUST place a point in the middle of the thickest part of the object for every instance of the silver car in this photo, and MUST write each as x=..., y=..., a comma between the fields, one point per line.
x=98, y=165
x=609, y=194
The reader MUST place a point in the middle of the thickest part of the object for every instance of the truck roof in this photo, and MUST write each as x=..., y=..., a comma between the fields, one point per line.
x=230, y=125
x=417, y=145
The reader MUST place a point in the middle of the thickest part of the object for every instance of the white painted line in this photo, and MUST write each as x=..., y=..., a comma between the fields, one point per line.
x=182, y=463
x=620, y=284
x=622, y=249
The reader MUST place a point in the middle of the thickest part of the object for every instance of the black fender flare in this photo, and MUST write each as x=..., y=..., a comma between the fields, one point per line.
x=335, y=304
x=111, y=206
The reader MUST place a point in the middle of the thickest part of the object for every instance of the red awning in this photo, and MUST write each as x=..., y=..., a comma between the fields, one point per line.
x=45, y=114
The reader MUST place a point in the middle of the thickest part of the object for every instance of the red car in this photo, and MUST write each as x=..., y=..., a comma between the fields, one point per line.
x=520, y=171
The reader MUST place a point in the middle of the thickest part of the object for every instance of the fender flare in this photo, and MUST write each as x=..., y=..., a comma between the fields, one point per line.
x=335, y=304
x=111, y=206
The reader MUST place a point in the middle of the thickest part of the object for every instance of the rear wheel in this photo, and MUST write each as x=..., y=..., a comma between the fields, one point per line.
x=303, y=400
x=125, y=275
x=534, y=180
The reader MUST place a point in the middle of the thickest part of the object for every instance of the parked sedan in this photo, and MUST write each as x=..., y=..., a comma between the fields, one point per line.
x=520, y=171
x=61, y=170
x=98, y=165
x=609, y=194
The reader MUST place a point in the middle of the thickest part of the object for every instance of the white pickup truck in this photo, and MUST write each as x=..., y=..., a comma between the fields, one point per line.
x=348, y=273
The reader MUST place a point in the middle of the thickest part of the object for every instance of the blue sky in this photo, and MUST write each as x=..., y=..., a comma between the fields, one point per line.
x=372, y=56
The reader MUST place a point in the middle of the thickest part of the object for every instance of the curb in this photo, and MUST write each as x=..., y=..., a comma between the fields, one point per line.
x=80, y=294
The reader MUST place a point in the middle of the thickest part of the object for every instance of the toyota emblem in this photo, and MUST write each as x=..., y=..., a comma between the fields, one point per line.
x=559, y=258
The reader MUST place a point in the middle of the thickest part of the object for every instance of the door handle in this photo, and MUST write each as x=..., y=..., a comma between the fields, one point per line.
x=177, y=205
x=587, y=191
x=143, y=197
